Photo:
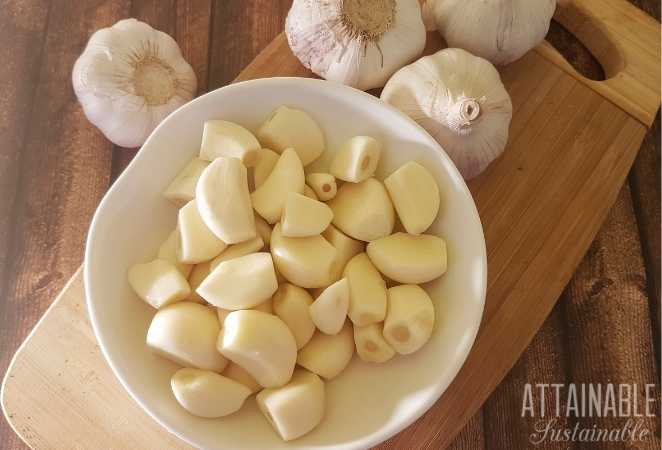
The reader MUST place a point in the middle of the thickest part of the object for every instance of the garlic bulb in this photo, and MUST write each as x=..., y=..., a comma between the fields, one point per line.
x=426, y=13
x=460, y=100
x=355, y=42
x=500, y=31
x=129, y=78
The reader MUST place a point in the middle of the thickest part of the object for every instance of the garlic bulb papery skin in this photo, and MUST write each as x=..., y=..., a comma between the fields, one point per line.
x=460, y=100
x=129, y=78
x=500, y=31
x=426, y=13
x=360, y=43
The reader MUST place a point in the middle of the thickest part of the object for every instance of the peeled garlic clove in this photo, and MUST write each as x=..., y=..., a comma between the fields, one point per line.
x=182, y=189
x=198, y=274
x=406, y=258
x=224, y=201
x=196, y=242
x=415, y=195
x=287, y=176
x=221, y=138
x=263, y=230
x=481, y=29
x=329, y=310
x=471, y=111
x=309, y=192
x=261, y=344
x=186, y=333
x=308, y=262
x=208, y=394
x=323, y=184
x=371, y=345
x=266, y=162
x=367, y=291
x=364, y=210
x=410, y=318
x=237, y=250
x=236, y=373
x=266, y=307
x=158, y=283
x=346, y=247
x=303, y=216
x=355, y=42
x=328, y=354
x=126, y=89
x=240, y=283
x=292, y=128
x=291, y=303
x=168, y=252
x=357, y=159
x=296, y=408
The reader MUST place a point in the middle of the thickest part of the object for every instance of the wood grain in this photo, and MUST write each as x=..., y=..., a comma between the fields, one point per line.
x=234, y=41
x=64, y=165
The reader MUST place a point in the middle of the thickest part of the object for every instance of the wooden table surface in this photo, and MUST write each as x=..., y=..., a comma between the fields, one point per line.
x=55, y=167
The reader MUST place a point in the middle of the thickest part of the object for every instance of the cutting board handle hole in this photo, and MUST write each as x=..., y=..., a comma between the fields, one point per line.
x=583, y=43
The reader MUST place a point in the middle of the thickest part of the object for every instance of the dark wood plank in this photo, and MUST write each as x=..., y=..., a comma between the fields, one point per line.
x=22, y=27
x=472, y=436
x=258, y=22
x=65, y=162
x=608, y=317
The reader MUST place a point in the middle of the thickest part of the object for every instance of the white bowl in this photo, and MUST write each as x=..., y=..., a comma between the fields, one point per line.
x=367, y=403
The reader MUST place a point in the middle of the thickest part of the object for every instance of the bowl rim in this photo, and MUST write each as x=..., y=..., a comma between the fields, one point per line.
x=381, y=434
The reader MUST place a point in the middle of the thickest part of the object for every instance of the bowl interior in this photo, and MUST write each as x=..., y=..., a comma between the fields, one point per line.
x=367, y=403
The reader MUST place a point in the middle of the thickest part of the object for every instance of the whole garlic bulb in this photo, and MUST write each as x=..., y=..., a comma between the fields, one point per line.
x=500, y=31
x=360, y=43
x=129, y=78
x=460, y=100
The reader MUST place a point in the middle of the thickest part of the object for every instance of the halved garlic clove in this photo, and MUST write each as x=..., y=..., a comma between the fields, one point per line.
x=186, y=333
x=158, y=283
x=371, y=345
x=240, y=283
x=287, y=176
x=303, y=216
x=328, y=354
x=168, y=252
x=410, y=259
x=224, y=201
x=236, y=373
x=196, y=241
x=266, y=162
x=363, y=210
x=236, y=250
x=367, y=291
x=182, y=189
x=198, y=274
x=329, y=310
x=323, y=184
x=346, y=247
x=208, y=394
x=410, y=319
x=309, y=192
x=221, y=138
x=263, y=229
x=291, y=303
x=261, y=344
x=357, y=159
x=415, y=195
x=296, y=408
x=308, y=262
x=293, y=128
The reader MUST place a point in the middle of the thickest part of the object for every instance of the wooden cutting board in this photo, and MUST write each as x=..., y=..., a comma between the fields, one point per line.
x=572, y=143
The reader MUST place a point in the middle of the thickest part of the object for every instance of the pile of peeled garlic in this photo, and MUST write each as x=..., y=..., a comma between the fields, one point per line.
x=274, y=276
